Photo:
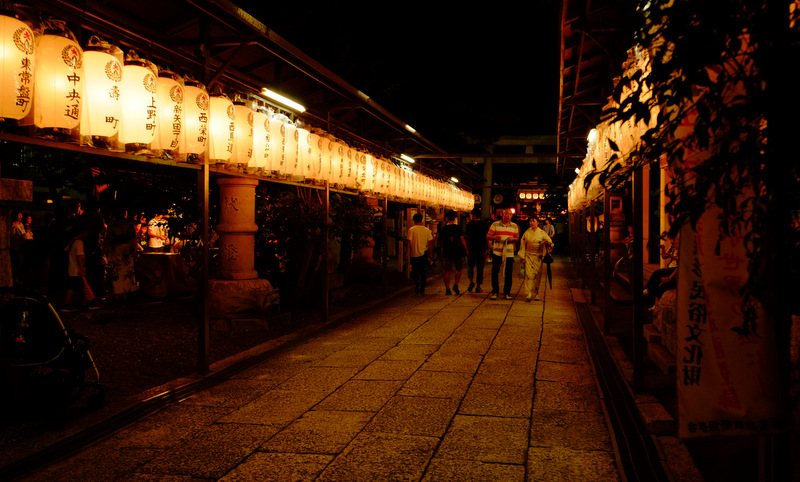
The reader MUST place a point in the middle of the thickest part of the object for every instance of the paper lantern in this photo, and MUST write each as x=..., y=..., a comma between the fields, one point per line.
x=314, y=157
x=194, y=135
x=170, y=99
x=349, y=167
x=304, y=169
x=276, y=133
x=58, y=79
x=102, y=106
x=221, y=128
x=18, y=58
x=242, y=134
x=369, y=173
x=260, y=158
x=290, y=164
x=326, y=154
x=139, y=112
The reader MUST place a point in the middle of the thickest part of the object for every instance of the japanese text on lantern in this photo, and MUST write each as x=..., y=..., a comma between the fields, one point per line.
x=23, y=39
x=696, y=327
x=73, y=106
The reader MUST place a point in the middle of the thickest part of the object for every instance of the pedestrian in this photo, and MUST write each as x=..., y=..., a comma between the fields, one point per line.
x=420, y=243
x=549, y=229
x=454, y=248
x=504, y=235
x=76, y=282
x=535, y=243
x=157, y=233
x=475, y=232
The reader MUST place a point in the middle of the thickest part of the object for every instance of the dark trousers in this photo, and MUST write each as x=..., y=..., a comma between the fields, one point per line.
x=654, y=287
x=475, y=262
x=509, y=274
x=419, y=271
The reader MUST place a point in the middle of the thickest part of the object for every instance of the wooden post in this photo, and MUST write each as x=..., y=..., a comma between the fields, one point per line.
x=637, y=269
x=203, y=345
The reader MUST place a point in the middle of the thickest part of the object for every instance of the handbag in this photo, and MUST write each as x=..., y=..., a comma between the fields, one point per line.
x=547, y=258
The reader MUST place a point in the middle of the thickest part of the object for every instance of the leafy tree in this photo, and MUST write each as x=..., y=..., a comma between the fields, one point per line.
x=714, y=62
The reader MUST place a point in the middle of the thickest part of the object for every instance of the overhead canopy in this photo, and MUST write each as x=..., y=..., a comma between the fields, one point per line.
x=223, y=46
x=595, y=36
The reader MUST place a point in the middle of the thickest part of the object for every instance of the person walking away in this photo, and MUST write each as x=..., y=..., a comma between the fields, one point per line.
x=503, y=234
x=454, y=247
x=534, y=245
x=76, y=272
x=420, y=243
x=475, y=232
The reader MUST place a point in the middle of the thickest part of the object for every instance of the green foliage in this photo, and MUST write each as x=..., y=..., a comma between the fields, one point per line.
x=709, y=63
x=288, y=219
x=352, y=224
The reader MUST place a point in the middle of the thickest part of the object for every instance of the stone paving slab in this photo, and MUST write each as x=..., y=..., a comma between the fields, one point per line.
x=380, y=456
x=437, y=384
x=275, y=407
x=233, y=394
x=409, y=351
x=211, y=452
x=319, y=432
x=351, y=357
x=444, y=470
x=486, y=439
x=166, y=428
x=573, y=373
x=560, y=464
x=279, y=466
x=112, y=465
x=324, y=379
x=411, y=415
x=566, y=396
x=361, y=395
x=497, y=400
x=574, y=430
x=389, y=370
x=452, y=362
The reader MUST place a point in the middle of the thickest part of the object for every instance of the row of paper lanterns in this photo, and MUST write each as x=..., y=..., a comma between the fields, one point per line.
x=123, y=102
x=626, y=136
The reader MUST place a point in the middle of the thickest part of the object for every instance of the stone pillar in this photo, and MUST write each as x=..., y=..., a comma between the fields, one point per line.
x=486, y=192
x=237, y=228
x=239, y=296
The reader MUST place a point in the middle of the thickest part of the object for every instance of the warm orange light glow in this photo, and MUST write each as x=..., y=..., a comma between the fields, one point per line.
x=17, y=56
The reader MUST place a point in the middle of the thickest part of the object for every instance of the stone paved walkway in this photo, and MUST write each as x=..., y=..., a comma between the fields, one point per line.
x=422, y=387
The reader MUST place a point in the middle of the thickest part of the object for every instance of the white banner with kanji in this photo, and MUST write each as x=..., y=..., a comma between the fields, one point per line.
x=727, y=369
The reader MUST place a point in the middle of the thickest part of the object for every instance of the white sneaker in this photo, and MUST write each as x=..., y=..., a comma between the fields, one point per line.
x=528, y=299
x=537, y=298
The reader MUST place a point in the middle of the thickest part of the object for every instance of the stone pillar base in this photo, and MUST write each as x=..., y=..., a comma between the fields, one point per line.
x=248, y=299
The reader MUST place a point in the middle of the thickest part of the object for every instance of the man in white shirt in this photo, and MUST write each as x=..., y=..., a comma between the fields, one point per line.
x=157, y=233
x=504, y=235
x=420, y=243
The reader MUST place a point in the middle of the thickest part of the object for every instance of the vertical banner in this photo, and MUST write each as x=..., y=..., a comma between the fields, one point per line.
x=727, y=368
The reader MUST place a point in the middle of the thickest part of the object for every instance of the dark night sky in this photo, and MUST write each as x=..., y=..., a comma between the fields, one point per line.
x=452, y=74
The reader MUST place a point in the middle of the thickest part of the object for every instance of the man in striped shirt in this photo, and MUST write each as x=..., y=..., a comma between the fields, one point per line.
x=504, y=235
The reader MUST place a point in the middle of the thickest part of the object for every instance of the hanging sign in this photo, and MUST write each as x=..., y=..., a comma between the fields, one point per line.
x=726, y=354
